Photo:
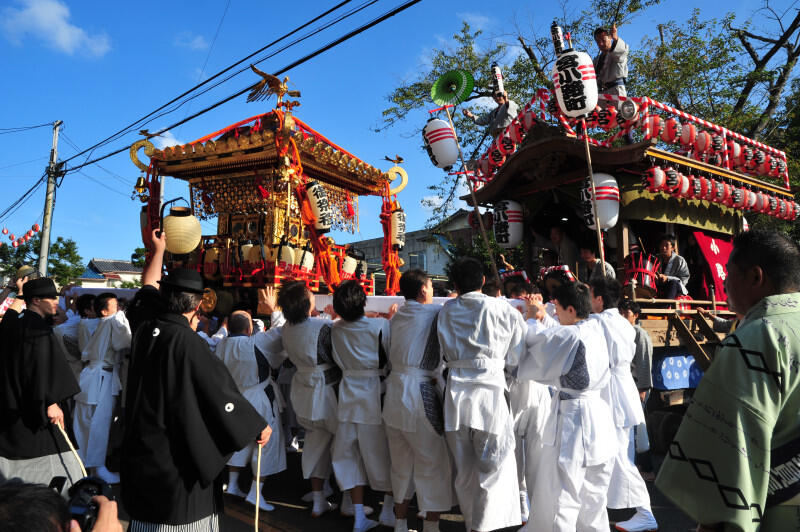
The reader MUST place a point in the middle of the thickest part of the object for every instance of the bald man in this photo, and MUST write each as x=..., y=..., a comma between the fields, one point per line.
x=245, y=356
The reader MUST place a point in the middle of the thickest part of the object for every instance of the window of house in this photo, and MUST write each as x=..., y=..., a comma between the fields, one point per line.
x=417, y=261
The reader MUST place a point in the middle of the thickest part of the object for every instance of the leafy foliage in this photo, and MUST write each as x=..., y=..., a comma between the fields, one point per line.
x=64, y=264
x=138, y=258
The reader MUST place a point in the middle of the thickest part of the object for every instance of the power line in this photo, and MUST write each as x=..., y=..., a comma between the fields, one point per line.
x=23, y=162
x=286, y=35
x=7, y=130
x=109, y=172
x=300, y=61
x=11, y=209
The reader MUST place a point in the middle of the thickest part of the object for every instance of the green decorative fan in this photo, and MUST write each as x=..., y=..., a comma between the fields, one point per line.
x=452, y=88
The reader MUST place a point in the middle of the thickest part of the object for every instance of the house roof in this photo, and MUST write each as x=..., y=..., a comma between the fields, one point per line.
x=89, y=273
x=106, y=266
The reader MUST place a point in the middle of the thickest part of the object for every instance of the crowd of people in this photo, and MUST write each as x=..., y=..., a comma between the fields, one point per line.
x=521, y=414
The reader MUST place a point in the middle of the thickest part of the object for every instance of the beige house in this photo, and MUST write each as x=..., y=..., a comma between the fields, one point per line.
x=109, y=273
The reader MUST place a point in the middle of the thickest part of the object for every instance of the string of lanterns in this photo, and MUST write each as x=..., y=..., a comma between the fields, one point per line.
x=17, y=241
x=672, y=182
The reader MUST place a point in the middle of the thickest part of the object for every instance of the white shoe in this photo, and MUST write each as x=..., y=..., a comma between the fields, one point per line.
x=642, y=521
x=368, y=524
x=251, y=498
x=327, y=491
x=106, y=476
x=347, y=510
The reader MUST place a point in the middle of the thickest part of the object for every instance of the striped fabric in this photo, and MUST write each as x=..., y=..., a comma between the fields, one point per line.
x=207, y=524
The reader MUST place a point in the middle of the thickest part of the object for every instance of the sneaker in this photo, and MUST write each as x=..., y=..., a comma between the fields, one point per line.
x=106, y=476
x=642, y=521
x=368, y=524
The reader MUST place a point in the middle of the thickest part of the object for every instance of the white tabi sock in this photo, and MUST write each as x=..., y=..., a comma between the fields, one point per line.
x=387, y=513
x=319, y=502
x=233, y=479
x=430, y=526
x=401, y=525
x=358, y=514
x=645, y=510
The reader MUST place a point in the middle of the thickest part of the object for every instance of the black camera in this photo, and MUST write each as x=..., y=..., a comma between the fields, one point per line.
x=81, y=506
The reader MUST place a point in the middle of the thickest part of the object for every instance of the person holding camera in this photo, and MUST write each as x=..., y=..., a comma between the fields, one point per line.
x=184, y=415
x=35, y=379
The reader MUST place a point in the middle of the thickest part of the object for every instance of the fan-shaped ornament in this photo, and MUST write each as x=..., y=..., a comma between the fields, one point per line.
x=452, y=88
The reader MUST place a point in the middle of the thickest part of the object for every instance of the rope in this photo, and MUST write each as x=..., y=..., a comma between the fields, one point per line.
x=72, y=448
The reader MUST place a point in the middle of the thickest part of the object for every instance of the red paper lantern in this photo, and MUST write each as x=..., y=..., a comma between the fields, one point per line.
x=692, y=183
x=15, y=244
x=688, y=134
x=734, y=152
x=758, y=159
x=772, y=206
x=504, y=144
x=789, y=215
x=35, y=228
x=714, y=158
x=26, y=238
x=654, y=179
x=528, y=119
x=751, y=200
x=673, y=179
x=717, y=142
x=764, y=163
x=516, y=131
x=5, y=230
x=12, y=237
x=711, y=191
x=672, y=131
x=496, y=157
x=29, y=233
x=722, y=192
x=703, y=142
x=739, y=198
x=780, y=168
x=607, y=118
x=653, y=125
x=684, y=188
x=745, y=157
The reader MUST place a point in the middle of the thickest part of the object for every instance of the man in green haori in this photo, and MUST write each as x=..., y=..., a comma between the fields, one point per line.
x=735, y=462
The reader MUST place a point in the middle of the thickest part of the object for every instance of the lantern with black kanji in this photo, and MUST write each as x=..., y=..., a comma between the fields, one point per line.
x=398, y=229
x=440, y=143
x=575, y=83
x=672, y=131
x=607, y=191
x=673, y=179
x=318, y=198
x=607, y=118
x=508, y=223
x=653, y=126
x=739, y=198
x=654, y=179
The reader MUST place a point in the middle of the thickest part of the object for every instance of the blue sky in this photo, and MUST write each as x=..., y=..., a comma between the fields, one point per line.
x=100, y=65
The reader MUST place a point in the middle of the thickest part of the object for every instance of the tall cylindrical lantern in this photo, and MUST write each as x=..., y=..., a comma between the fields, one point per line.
x=575, y=83
x=398, y=226
x=320, y=206
x=607, y=191
x=440, y=143
x=508, y=223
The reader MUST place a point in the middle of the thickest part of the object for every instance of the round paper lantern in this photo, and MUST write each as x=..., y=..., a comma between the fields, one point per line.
x=15, y=244
x=29, y=234
x=496, y=157
x=440, y=143
x=761, y=202
x=12, y=237
x=504, y=144
x=26, y=238
x=672, y=179
x=758, y=159
x=714, y=158
x=607, y=191
x=672, y=131
x=183, y=231
x=36, y=228
x=717, y=142
x=684, y=188
x=781, y=208
x=711, y=190
x=739, y=198
x=654, y=179
x=516, y=131
x=398, y=229
x=688, y=134
x=320, y=206
x=653, y=126
x=751, y=199
x=774, y=206
x=692, y=183
x=791, y=210
x=607, y=118
x=780, y=168
x=734, y=152
x=764, y=161
x=575, y=83
x=745, y=157
x=5, y=230
x=703, y=142
x=507, y=224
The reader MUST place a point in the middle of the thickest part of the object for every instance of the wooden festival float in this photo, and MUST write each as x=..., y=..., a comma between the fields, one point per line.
x=564, y=160
x=276, y=188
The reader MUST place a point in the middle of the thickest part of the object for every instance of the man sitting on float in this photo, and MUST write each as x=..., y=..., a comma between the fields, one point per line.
x=673, y=276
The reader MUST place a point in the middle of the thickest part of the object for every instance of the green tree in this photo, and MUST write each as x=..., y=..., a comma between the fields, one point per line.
x=64, y=264
x=138, y=257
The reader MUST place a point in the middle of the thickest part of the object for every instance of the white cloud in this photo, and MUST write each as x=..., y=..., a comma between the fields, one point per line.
x=48, y=20
x=431, y=202
x=475, y=20
x=193, y=42
x=167, y=138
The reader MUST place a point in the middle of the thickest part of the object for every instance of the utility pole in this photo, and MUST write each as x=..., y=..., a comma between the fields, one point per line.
x=53, y=171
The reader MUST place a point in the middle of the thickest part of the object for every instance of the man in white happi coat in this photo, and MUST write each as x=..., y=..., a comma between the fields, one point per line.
x=412, y=409
x=476, y=334
x=360, y=451
x=306, y=341
x=579, y=441
x=100, y=384
x=627, y=489
x=246, y=356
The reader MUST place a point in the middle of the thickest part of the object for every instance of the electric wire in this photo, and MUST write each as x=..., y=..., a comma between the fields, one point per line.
x=294, y=64
x=109, y=172
x=221, y=72
x=21, y=163
x=7, y=130
x=19, y=202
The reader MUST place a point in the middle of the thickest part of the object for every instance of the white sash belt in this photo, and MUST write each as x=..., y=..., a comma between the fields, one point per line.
x=477, y=363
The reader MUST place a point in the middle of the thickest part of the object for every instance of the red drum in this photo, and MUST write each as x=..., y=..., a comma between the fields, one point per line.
x=642, y=267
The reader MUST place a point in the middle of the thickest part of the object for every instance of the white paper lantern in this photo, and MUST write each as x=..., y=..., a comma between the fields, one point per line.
x=183, y=231
x=440, y=143
x=398, y=229
x=508, y=223
x=318, y=198
x=607, y=191
x=575, y=83
x=688, y=134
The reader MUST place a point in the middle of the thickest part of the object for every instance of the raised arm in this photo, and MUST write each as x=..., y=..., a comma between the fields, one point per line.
x=152, y=270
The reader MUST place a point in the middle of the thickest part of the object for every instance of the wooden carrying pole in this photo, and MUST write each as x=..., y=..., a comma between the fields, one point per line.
x=474, y=199
x=258, y=479
x=594, y=199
